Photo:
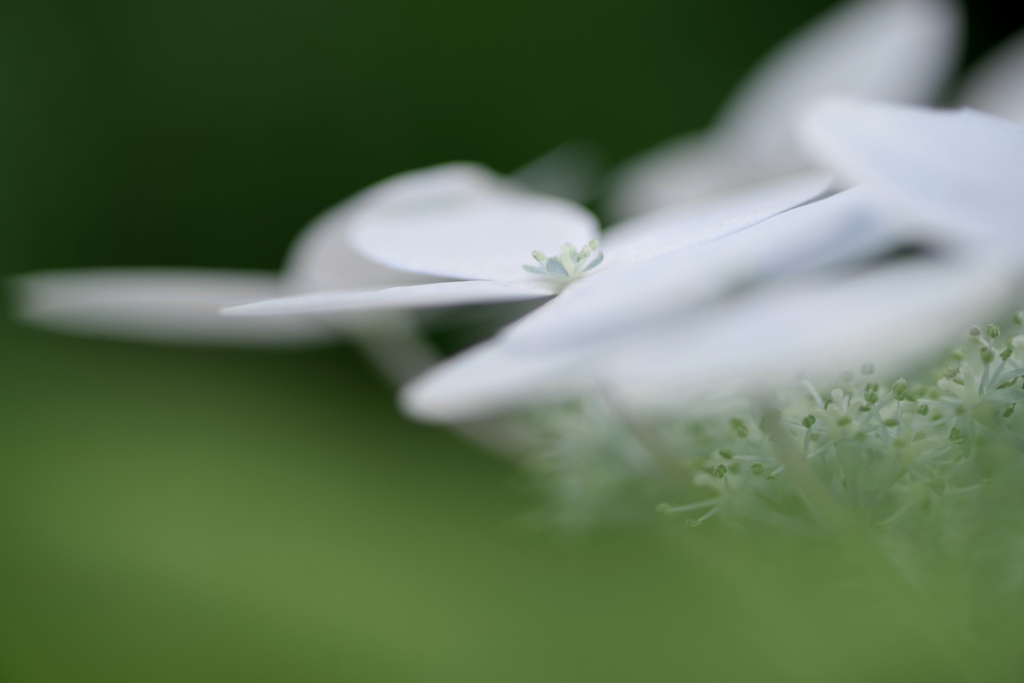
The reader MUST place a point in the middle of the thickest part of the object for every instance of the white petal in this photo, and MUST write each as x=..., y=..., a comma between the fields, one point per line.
x=164, y=305
x=691, y=225
x=415, y=296
x=894, y=317
x=898, y=50
x=322, y=258
x=492, y=378
x=995, y=84
x=893, y=50
x=472, y=236
x=956, y=168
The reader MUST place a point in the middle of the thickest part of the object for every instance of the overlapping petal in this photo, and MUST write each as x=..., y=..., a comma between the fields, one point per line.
x=960, y=169
x=892, y=317
x=457, y=293
x=897, y=50
x=693, y=224
x=469, y=236
x=321, y=257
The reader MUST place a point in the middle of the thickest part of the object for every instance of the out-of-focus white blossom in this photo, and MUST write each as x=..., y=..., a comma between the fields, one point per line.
x=947, y=182
x=897, y=50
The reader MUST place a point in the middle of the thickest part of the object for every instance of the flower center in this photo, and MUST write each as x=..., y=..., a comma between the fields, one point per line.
x=569, y=264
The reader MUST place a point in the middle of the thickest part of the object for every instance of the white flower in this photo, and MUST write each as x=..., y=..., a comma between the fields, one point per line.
x=513, y=245
x=948, y=181
x=181, y=305
x=899, y=50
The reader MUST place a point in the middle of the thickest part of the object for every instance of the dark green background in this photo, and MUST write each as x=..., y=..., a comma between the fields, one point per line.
x=173, y=515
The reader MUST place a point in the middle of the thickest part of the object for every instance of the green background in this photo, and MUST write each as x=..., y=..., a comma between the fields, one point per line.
x=193, y=515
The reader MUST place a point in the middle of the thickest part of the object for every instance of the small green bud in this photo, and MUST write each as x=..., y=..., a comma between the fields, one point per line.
x=844, y=420
x=868, y=369
x=1009, y=411
x=740, y=428
x=864, y=409
x=960, y=409
x=1018, y=317
x=593, y=244
x=691, y=523
x=992, y=330
x=922, y=409
x=871, y=386
x=891, y=422
x=871, y=397
x=956, y=437
x=1006, y=353
x=719, y=471
x=975, y=331
x=809, y=421
x=756, y=468
x=987, y=356
x=899, y=388
x=769, y=474
x=725, y=454
x=540, y=257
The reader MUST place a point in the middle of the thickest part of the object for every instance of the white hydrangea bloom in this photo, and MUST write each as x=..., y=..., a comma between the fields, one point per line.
x=949, y=181
x=897, y=50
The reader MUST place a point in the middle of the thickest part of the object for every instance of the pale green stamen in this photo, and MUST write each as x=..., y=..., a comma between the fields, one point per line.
x=569, y=264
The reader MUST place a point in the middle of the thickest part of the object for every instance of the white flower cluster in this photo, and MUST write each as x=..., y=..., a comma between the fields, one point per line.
x=827, y=219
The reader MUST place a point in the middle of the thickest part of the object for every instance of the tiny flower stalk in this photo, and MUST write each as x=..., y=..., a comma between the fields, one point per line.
x=569, y=264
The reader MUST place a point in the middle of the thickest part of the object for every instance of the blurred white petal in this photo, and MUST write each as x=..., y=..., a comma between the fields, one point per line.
x=892, y=317
x=995, y=85
x=898, y=50
x=893, y=50
x=321, y=257
x=457, y=293
x=961, y=169
x=687, y=226
x=167, y=305
x=492, y=378
x=471, y=236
